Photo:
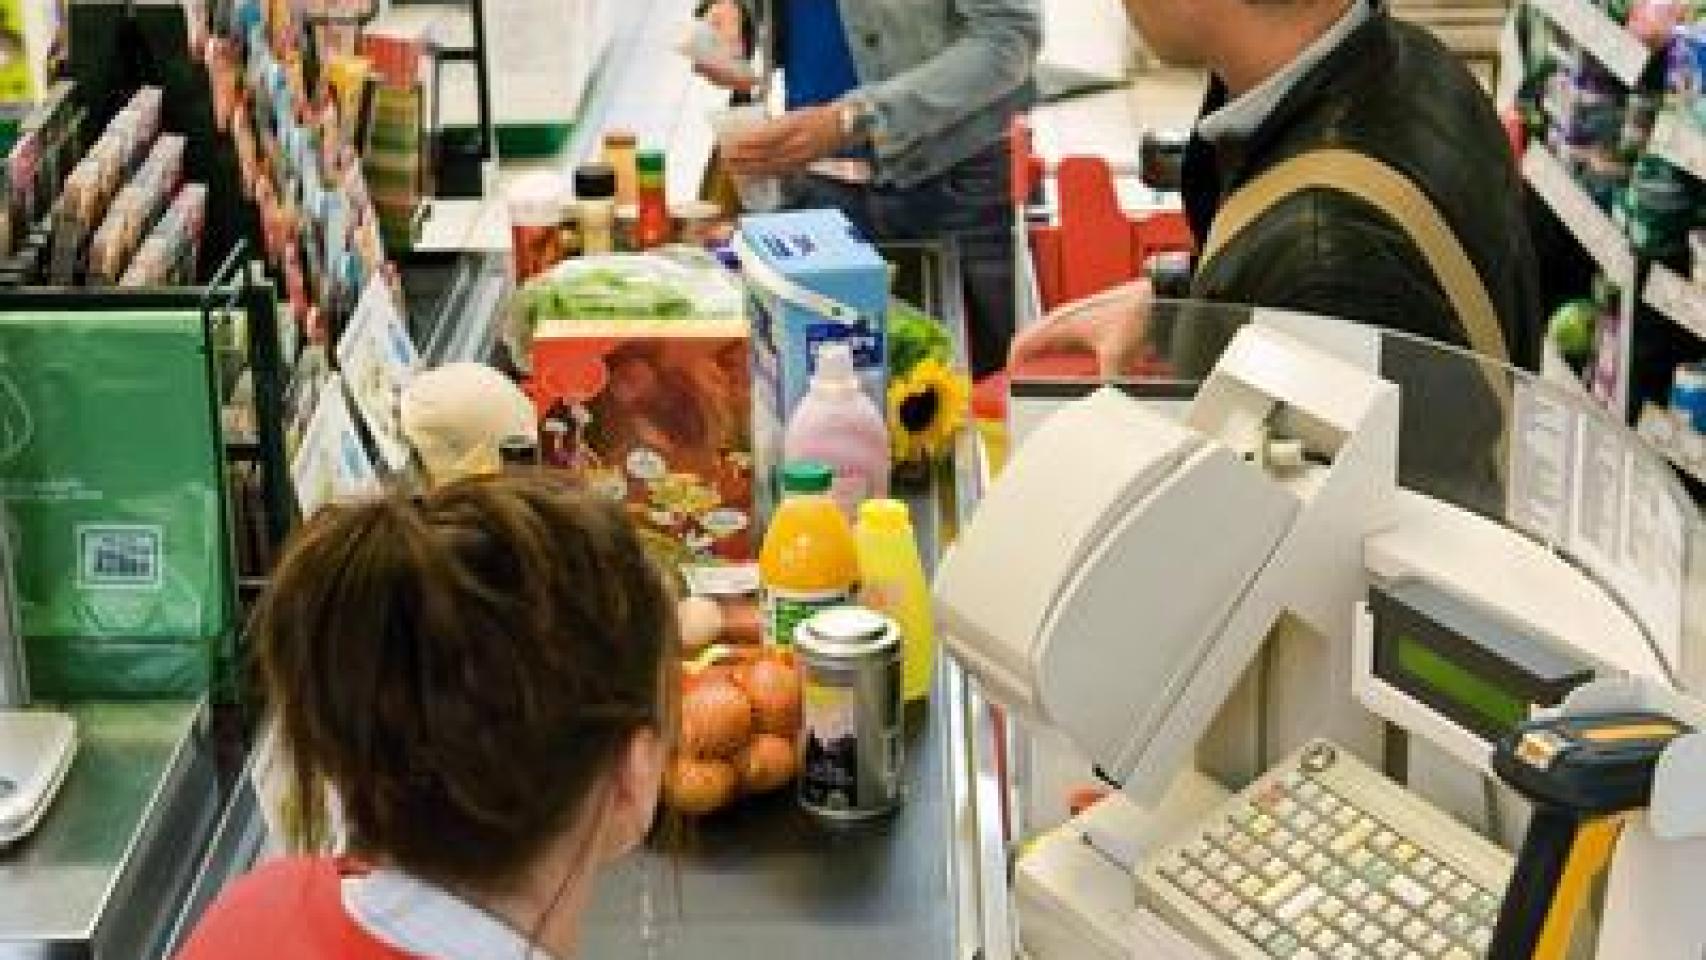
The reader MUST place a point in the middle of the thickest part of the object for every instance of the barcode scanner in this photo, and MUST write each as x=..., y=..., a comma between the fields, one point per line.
x=1584, y=776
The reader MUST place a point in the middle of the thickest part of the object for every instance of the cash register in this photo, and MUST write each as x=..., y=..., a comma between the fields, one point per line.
x=1246, y=597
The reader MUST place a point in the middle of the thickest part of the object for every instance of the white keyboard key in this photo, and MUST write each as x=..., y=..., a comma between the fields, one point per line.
x=1463, y=891
x=1458, y=953
x=1393, y=915
x=1405, y=852
x=1481, y=939
x=1275, y=868
x=1437, y=911
x=1414, y=930
x=1331, y=908
x=1263, y=929
x=1354, y=837
x=1435, y=944
x=1414, y=895
x=1389, y=950
x=1245, y=916
x=1299, y=904
x=1282, y=891
x=1346, y=951
x=1357, y=890
x=1307, y=926
x=1298, y=850
x=1383, y=840
x=1370, y=934
x=1327, y=940
x=1316, y=864
x=1376, y=903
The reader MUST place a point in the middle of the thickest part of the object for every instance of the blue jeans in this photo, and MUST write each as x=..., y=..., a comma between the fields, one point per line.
x=968, y=204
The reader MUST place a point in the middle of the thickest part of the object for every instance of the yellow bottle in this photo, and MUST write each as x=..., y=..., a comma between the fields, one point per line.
x=809, y=561
x=892, y=582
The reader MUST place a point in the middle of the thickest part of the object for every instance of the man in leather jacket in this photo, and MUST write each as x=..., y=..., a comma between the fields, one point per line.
x=1291, y=76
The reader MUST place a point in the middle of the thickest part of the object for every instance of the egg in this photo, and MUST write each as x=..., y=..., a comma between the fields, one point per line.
x=696, y=787
x=701, y=623
x=774, y=690
x=716, y=719
x=766, y=764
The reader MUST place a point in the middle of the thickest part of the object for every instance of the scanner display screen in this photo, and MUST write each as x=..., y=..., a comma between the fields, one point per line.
x=1495, y=707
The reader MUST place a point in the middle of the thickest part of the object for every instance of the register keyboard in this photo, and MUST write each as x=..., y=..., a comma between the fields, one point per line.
x=1323, y=858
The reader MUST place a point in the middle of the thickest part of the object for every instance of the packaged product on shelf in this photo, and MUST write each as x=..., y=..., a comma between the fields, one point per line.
x=810, y=281
x=378, y=359
x=640, y=375
x=135, y=210
x=169, y=254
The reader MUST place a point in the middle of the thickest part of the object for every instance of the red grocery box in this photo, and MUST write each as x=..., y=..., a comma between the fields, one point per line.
x=660, y=419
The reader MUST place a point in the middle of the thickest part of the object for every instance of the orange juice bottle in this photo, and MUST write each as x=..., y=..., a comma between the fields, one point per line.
x=809, y=561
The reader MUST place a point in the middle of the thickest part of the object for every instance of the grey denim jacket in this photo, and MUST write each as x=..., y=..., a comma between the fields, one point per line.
x=941, y=77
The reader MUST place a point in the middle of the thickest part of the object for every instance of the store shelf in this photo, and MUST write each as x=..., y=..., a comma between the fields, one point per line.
x=1610, y=42
x=1678, y=138
x=1661, y=430
x=1591, y=226
x=1678, y=298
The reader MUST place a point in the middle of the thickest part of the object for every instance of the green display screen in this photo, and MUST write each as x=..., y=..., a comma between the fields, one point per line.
x=1453, y=681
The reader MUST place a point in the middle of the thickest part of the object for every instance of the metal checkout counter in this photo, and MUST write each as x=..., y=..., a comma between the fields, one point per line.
x=1301, y=675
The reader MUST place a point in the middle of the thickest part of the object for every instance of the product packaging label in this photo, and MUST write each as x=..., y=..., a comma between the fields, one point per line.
x=785, y=610
x=829, y=776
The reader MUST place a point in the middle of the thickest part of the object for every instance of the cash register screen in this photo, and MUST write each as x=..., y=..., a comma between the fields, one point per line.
x=1477, y=672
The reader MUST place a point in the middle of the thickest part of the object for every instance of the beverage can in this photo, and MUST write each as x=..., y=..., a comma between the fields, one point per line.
x=850, y=738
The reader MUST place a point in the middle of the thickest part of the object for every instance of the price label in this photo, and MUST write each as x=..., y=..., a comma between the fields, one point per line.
x=1677, y=298
x=1610, y=42
x=1679, y=139
x=1592, y=228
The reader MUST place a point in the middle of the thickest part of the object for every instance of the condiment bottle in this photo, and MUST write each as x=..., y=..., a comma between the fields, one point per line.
x=653, y=228
x=892, y=582
x=595, y=207
x=809, y=561
x=619, y=153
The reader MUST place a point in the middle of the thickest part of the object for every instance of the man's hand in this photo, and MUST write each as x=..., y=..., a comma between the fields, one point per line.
x=1110, y=326
x=786, y=144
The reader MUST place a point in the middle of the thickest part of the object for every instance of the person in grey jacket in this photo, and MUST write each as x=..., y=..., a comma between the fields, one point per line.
x=897, y=113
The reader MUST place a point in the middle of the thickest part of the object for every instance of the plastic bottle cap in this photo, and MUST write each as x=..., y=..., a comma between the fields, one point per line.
x=885, y=516
x=807, y=476
x=649, y=161
x=835, y=371
x=620, y=138
x=595, y=181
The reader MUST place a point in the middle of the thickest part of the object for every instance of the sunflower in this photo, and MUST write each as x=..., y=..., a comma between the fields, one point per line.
x=927, y=408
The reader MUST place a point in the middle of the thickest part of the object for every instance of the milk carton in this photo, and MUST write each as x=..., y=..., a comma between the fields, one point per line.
x=811, y=280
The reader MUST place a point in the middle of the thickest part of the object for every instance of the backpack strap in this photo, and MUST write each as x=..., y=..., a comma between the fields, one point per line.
x=1395, y=195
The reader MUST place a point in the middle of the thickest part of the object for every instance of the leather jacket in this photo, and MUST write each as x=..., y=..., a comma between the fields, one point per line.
x=1395, y=93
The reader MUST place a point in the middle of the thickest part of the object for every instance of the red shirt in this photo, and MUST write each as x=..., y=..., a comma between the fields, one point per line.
x=289, y=909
